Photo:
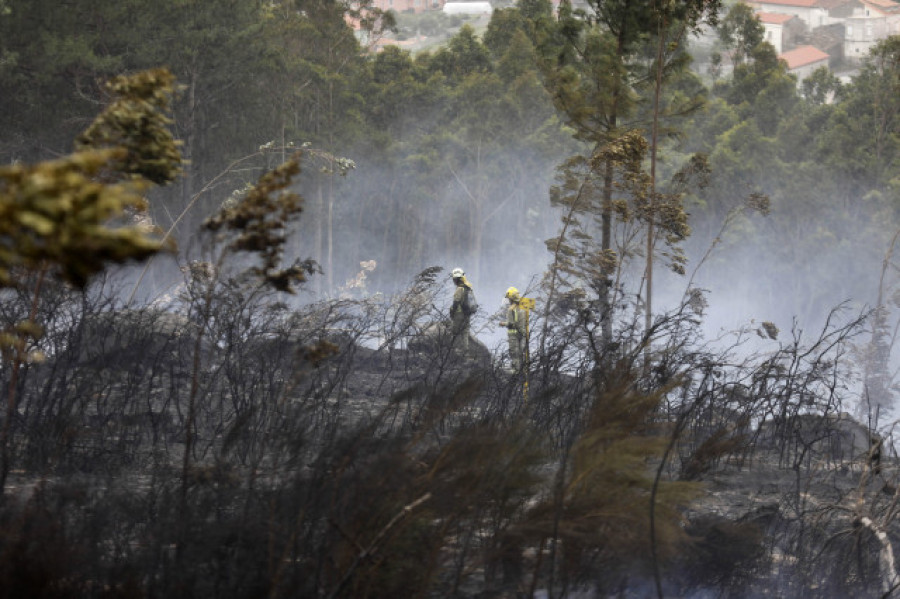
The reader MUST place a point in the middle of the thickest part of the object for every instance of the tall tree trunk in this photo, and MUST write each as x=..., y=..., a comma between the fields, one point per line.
x=654, y=142
x=477, y=218
x=606, y=246
x=606, y=295
x=317, y=240
x=329, y=256
x=190, y=136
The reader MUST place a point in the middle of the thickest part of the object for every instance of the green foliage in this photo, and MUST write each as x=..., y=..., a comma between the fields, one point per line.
x=517, y=61
x=502, y=28
x=535, y=10
x=579, y=260
x=450, y=130
x=464, y=55
x=741, y=31
x=874, y=103
x=598, y=68
x=762, y=89
x=821, y=86
x=284, y=71
x=57, y=212
x=828, y=203
x=257, y=223
x=137, y=121
x=744, y=156
x=372, y=20
x=312, y=52
x=592, y=93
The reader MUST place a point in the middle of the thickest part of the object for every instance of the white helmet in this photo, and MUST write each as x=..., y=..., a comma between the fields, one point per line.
x=457, y=273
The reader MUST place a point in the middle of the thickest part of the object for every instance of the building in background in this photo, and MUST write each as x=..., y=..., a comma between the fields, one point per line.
x=866, y=22
x=467, y=8
x=845, y=29
x=804, y=60
x=782, y=30
x=813, y=13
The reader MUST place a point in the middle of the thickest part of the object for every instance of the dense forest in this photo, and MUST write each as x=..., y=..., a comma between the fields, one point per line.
x=226, y=237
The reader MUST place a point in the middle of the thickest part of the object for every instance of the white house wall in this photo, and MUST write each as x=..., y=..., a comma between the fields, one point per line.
x=862, y=33
x=774, y=34
x=807, y=70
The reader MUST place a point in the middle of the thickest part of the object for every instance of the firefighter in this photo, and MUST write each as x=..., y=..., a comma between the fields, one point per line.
x=516, y=331
x=461, y=310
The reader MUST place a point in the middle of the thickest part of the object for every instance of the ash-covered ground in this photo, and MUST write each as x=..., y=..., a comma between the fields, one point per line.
x=349, y=450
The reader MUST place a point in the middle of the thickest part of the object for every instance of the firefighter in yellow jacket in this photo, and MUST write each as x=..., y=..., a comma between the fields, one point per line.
x=516, y=331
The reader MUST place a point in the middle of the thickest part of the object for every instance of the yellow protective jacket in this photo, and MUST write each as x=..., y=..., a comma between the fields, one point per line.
x=459, y=297
x=516, y=320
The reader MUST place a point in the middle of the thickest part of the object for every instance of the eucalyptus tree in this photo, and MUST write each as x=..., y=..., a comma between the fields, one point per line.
x=761, y=89
x=606, y=75
x=51, y=68
x=868, y=119
x=740, y=32
x=822, y=86
x=587, y=63
x=505, y=23
x=317, y=72
x=498, y=125
x=673, y=21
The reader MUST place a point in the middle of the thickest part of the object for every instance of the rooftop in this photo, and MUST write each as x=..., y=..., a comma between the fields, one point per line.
x=802, y=56
x=772, y=18
x=829, y=4
x=883, y=6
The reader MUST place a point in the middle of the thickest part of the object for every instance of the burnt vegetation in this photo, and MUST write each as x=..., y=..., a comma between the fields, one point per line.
x=232, y=444
x=244, y=448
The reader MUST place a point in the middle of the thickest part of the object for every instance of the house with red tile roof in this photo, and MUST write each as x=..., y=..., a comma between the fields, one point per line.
x=781, y=29
x=813, y=13
x=802, y=61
